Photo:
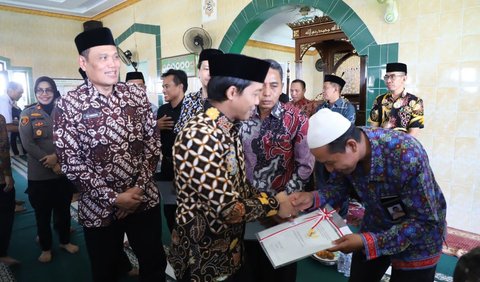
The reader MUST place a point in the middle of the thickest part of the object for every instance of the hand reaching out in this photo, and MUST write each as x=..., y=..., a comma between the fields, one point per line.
x=301, y=200
x=286, y=209
x=347, y=244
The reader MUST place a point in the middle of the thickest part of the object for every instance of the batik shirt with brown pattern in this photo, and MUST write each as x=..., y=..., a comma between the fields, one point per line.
x=107, y=144
x=5, y=168
x=214, y=199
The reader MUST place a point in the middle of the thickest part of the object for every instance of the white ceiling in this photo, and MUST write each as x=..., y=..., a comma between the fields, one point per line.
x=82, y=8
x=274, y=30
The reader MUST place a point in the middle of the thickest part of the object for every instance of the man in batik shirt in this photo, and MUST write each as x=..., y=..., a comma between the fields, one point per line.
x=297, y=92
x=7, y=195
x=108, y=146
x=397, y=109
x=214, y=198
x=405, y=210
x=193, y=102
x=277, y=159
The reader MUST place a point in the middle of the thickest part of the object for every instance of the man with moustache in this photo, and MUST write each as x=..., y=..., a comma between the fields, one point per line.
x=215, y=200
x=297, y=92
x=108, y=146
x=405, y=210
x=277, y=160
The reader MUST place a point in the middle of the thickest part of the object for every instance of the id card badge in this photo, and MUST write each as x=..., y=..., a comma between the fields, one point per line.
x=394, y=207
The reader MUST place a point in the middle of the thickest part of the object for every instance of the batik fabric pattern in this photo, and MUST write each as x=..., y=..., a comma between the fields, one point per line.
x=191, y=105
x=276, y=150
x=306, y=106
x=401, y=114
x=107, y=144
x=5, y=167
x=213, y=197
x=399, y=168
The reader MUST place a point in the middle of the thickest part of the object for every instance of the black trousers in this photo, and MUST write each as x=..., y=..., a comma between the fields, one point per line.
x=260, y=269
x=47, y=196
x=363, y=270
x=7, y=212
x=170, y=213
x=144, y=231
x=239, y=276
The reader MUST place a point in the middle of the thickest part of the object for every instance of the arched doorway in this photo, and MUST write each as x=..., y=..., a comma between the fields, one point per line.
x=256, y=12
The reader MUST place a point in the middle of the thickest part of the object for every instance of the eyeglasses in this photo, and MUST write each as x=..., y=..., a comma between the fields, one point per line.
x=392, y=76
x=48, y=91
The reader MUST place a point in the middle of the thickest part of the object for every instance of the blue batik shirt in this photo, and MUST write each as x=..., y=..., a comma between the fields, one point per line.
x=399, y=171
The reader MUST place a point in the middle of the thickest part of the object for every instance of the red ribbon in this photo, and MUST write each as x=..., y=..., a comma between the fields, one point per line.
x=323, y=214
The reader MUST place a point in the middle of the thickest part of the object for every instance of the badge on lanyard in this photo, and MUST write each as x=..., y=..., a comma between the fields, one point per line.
x=394, y=207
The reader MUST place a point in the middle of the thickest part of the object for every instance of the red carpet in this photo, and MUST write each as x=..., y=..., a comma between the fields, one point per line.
x=459, y=242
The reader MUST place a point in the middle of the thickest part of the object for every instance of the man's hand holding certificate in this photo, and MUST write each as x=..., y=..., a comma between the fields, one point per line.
x=304, y=236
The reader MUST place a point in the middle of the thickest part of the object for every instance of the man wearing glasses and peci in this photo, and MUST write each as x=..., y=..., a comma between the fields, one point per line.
x=397, y=109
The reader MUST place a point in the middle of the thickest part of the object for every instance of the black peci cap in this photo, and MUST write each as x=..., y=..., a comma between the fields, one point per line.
x=94, y=37
x=239, y=66
x=335, y=79
x=207, y=53
x=391, y=67
x=134, y=75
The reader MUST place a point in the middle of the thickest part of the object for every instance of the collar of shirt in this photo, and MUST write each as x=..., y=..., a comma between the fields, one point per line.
x=276, y=111
x=196, y=95
x=301, y=102
x=95, y=94
x=337, y=104
x=218, y=117
x=404, y=93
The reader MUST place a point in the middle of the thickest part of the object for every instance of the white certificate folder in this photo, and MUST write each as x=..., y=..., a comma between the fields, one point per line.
x=291, y=241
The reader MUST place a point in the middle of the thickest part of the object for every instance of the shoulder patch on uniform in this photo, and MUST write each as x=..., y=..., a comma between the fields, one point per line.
x=24, y=120
x=38, y=123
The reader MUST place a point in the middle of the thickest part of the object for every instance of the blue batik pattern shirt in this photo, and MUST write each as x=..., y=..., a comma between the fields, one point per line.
x=191, y=105
x=399, y=169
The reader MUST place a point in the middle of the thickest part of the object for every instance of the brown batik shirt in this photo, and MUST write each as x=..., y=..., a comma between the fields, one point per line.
x=5, y=168
x=107, y=144
x=214, y=199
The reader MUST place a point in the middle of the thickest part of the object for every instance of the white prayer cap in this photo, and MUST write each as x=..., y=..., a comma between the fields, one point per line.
x=324, y=127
